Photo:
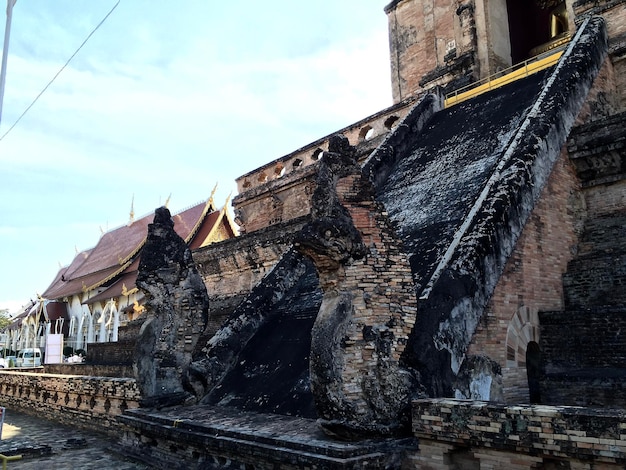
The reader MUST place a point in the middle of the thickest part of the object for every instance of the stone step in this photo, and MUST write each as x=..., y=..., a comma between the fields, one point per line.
x=222, y=437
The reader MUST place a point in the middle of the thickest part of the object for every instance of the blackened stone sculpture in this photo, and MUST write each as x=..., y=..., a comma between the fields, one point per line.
x=357, y=382
x=177, y=306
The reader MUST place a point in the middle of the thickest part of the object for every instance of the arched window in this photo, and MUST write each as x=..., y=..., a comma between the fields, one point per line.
x=279, y=170
x=366, y=133
x=317, y=155
x=390, y=122
x=522, y=334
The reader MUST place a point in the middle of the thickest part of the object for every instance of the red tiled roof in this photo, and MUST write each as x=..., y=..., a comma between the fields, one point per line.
x=53, y=311
x=205, y=229
x=117, y=250
x=127, y=279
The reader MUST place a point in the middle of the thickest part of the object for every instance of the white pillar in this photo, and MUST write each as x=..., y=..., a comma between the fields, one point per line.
x=79, y=332
x=116, y=324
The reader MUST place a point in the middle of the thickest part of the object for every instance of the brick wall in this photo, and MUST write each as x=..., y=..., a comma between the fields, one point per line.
x=369, y=305
x=583, y=354
x=614, y=13
x=532, y=280
x=275, y=201
x=487, y=435
x=233, y=267
x=92, y=370
x=382, y=281
x=431, y=43
x=119, y=352
x=94, y=402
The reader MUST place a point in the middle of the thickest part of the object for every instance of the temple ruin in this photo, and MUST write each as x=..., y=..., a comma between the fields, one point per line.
x=439, y=285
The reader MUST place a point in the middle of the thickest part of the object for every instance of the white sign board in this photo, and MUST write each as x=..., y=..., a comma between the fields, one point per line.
x=54, y=349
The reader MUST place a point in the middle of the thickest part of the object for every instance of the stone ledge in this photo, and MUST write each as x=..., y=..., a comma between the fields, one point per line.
x=230, y=437
x=539, y=430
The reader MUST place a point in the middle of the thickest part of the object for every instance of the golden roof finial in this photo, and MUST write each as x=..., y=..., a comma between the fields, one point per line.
x=132, y=211
x=212, y=194
x=167, y=201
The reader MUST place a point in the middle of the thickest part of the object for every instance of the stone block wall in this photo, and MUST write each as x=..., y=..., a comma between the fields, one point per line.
x=532, y=280
x=92, y=402
x=486, y=435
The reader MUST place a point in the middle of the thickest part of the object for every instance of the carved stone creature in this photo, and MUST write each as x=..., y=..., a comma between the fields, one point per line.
x=357, y=383
x=176, y=310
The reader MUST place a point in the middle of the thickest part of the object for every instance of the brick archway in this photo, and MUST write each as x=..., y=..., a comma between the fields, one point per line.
x=523, y=328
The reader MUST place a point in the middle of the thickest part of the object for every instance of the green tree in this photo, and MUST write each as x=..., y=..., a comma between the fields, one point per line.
x=5, y=318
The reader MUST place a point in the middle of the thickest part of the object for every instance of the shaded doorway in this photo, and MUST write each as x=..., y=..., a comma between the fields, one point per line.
x=533, y=371
x=533, y=24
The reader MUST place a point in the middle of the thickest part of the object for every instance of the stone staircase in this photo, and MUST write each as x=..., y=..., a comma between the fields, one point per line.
x=584, y=347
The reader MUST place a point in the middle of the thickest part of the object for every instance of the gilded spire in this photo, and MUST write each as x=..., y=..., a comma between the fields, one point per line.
x=228, y=200
x=211, y=203
x=167, y=201
x=131, y=218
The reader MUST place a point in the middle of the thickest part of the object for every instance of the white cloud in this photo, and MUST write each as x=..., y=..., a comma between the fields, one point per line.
x=165, y=100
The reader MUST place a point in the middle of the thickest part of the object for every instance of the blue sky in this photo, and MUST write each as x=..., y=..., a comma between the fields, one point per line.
x=165, y=98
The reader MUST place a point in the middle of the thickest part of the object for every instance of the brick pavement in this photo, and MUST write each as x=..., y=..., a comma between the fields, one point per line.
x=46, y=444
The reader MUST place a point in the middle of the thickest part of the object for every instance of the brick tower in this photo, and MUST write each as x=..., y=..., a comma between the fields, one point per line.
x=453, y=43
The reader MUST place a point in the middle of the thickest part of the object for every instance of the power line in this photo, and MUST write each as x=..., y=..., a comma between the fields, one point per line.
x=60, y=70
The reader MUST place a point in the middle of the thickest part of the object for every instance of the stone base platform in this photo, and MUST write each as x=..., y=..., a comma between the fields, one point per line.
x=204, y=437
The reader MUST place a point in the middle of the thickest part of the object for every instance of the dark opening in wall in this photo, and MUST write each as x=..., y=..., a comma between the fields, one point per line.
x=533, y=371
x=317, y=155
x=533, y=23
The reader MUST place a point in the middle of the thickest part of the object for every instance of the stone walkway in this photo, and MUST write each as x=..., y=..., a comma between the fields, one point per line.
x=48, y=445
